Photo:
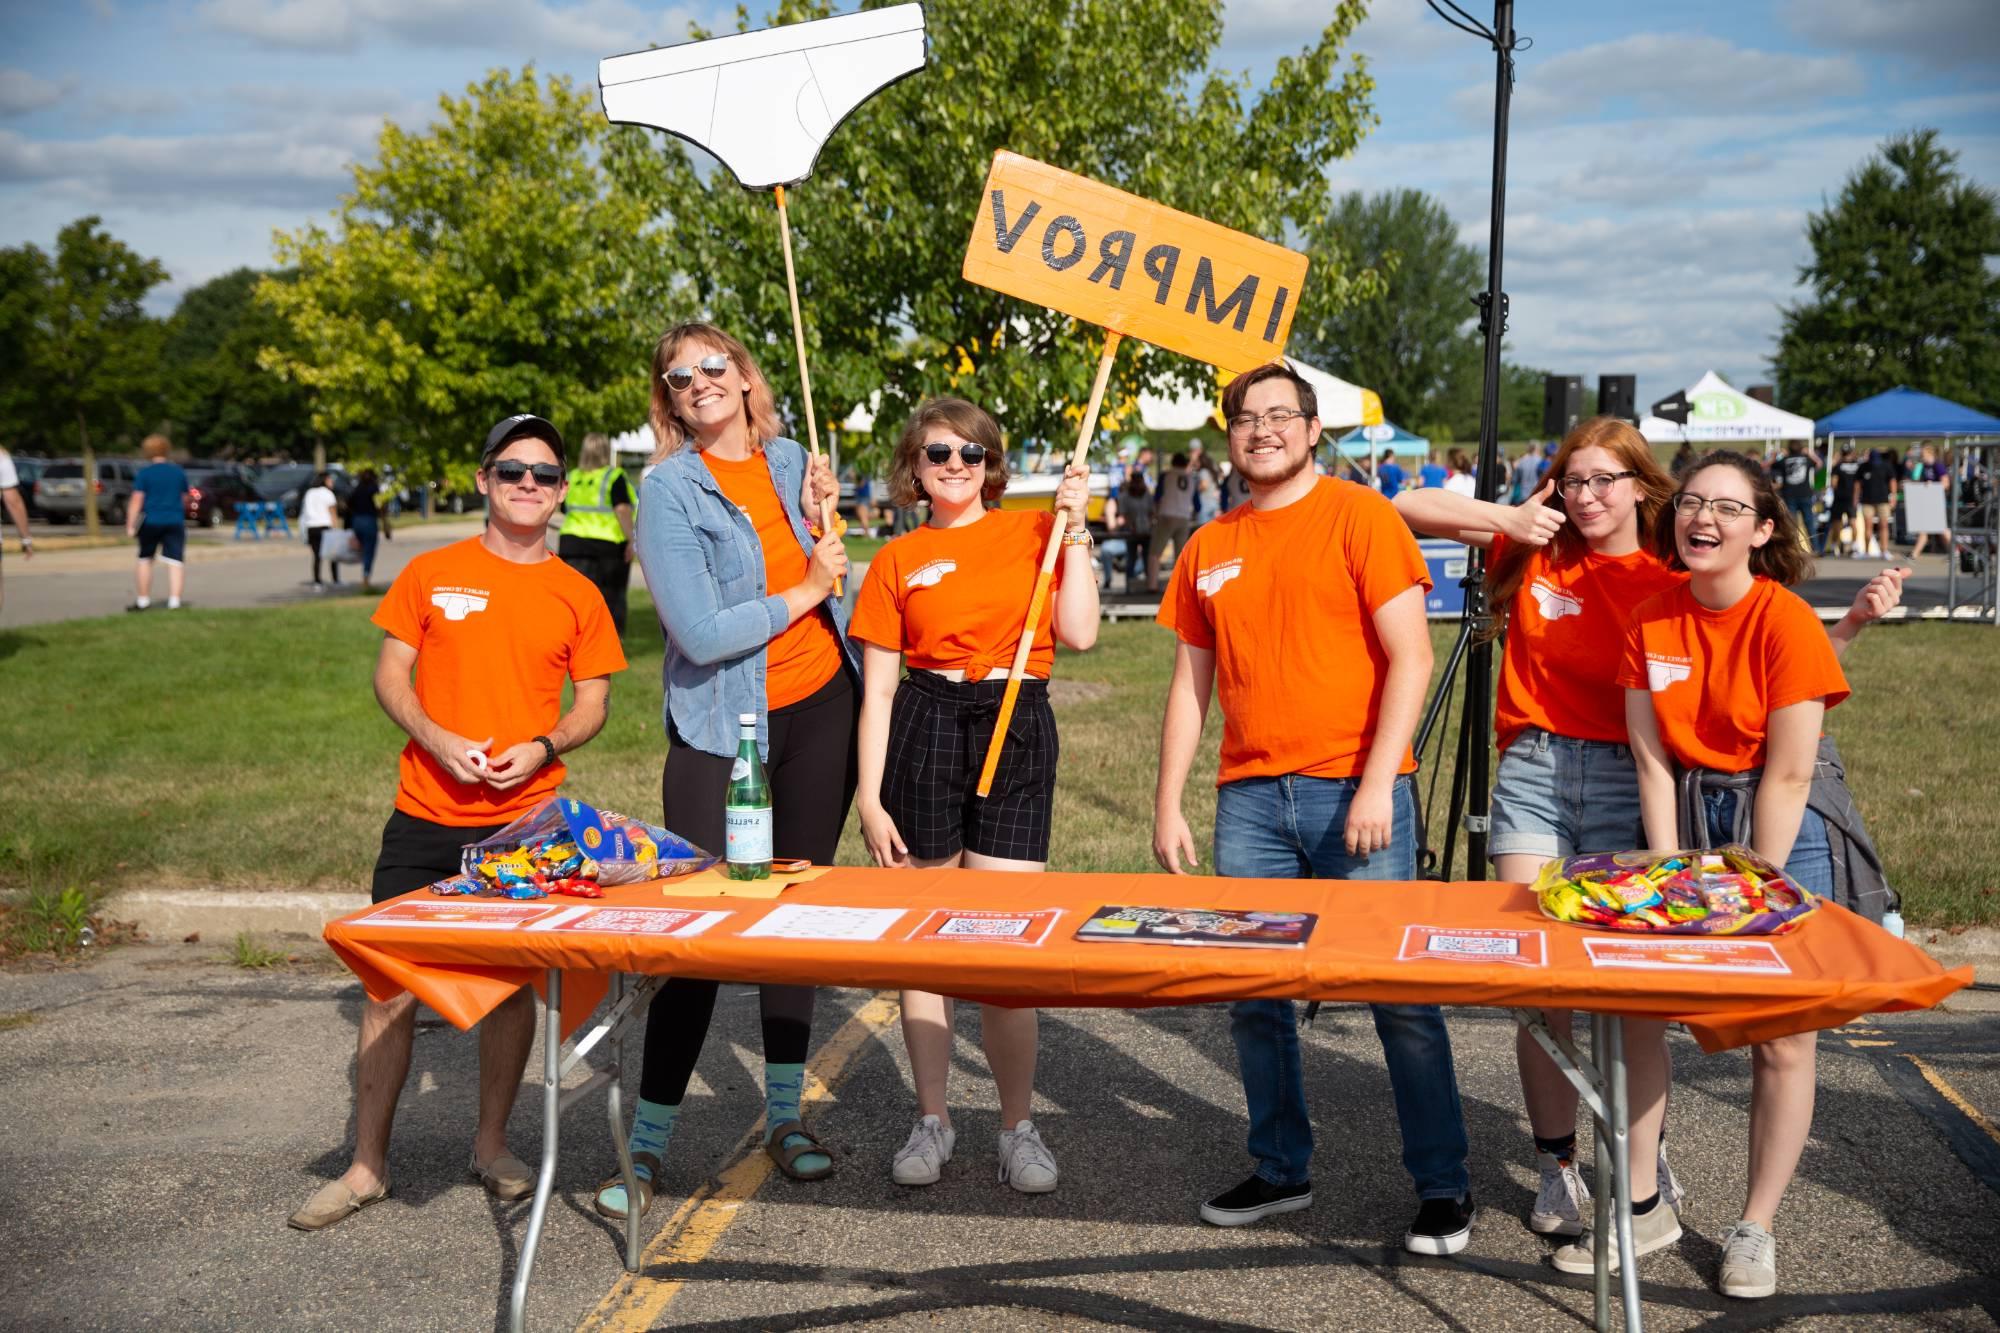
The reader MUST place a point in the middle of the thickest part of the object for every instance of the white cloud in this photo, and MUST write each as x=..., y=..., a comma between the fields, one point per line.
x=595, y=27
x=22, y=92
x=250, y=167
x=1943, y=34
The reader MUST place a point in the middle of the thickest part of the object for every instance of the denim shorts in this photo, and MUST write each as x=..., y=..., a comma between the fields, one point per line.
x=1555, y=796
x=1811, y=861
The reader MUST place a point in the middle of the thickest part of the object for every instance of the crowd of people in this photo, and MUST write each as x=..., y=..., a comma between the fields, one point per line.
x=1632, y=601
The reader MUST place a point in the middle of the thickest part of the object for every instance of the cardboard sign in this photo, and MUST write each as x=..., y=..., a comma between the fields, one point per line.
x=1132, y=266
x=1688, y=954
x=1528, y=948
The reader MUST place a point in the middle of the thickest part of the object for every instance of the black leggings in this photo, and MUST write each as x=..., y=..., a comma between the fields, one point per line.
x=811, y=742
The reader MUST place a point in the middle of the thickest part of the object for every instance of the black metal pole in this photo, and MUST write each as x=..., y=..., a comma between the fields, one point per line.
x=1479, y=676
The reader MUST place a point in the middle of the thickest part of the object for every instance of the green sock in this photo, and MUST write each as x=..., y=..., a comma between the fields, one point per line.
x=652, y=1127
x=783, y=1086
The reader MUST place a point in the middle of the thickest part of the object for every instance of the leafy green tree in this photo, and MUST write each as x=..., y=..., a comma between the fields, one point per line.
x=84, y=355
x=1903, y=290
x=219, y=397
x=1118, y=90
x=505, y=260
x=1416, y=343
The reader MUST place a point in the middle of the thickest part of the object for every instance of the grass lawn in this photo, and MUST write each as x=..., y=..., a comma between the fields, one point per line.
x=245, y=748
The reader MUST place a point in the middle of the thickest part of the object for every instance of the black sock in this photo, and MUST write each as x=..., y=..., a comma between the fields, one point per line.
x=1646, y=1205
x=1562, y=1149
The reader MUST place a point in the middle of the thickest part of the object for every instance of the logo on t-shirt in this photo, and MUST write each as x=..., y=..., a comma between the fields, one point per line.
x=458, y=603
x=1209, y=581
x=927, y=575
x=1555, y=602
x=1662, y=671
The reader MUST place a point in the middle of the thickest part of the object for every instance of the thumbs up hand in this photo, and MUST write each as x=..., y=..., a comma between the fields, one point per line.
x=1531, y=522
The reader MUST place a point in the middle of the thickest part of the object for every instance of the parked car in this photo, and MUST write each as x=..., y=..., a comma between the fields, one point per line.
x=29, y=471
x=288, y=481
x=216, y=489
x=59, y=491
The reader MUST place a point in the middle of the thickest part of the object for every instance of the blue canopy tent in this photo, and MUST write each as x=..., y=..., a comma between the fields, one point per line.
x=1370, y=441
x=1906, y=413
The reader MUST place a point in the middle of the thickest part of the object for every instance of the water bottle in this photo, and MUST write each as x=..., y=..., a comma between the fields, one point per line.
x=747, y=809
x=1893, y=923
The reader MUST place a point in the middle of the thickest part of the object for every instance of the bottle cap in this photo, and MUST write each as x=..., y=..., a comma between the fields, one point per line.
x=746, y=719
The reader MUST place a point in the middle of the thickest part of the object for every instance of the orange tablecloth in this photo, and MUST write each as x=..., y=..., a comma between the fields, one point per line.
x=1840, y=966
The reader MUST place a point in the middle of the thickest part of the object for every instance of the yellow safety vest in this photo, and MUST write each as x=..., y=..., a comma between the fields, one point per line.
x=590, y=517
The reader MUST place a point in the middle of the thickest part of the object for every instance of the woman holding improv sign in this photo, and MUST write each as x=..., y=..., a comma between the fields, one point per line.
x=947, y=601
x=744, y=590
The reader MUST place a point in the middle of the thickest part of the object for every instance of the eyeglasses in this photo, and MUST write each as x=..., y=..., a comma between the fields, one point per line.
x=1600, y=483
x=680, y=377
x=514, y=472
x=1725, y=511
x=972, y=455
x=1245, y=423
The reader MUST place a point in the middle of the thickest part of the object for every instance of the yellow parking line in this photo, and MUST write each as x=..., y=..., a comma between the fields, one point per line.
x=636, y=1301
x=1951, y=1094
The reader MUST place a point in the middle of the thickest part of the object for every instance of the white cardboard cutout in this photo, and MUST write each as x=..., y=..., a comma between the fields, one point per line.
x=765, y=102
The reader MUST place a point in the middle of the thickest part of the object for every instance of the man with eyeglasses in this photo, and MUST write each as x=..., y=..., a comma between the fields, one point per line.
x=1303, y=613
x=478, y=640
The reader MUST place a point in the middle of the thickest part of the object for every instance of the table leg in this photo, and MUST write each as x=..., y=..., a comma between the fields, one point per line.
x=1621, y=1165
x=615, y=1103
x=1604, y=1178
x=517, y=1306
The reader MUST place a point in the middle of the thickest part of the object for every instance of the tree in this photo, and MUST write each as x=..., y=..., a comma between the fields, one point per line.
x=1901, y=287
x=87, y=354
x=503, y=261
x=1118, y=90
x=1415, y=344
x=219, y=397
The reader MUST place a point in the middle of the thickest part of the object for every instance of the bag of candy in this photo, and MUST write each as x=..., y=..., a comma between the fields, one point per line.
x=564, y=846
x=1725, y=891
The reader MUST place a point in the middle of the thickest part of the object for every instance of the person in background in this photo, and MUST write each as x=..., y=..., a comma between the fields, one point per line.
x=319, y=509
x=1793, y=472
x=367, y=521
x=1683, y=460
x=1876, y=486
x=157, y=515
x=1207, y=490
x=1432, y=473
x=1173, y=515
x=596, y=539
x=1922, y=466
x=1115, y=546
x=1842, y=516
x=1389, y=475
x=1135, y=506
x=1525, y=475
x=1461, y=481
x=16, y=507
x=1235, y=488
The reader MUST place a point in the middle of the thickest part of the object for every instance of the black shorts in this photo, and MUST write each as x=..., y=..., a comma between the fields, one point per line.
x=938, y=732
x=169, y=539
x=416, y=852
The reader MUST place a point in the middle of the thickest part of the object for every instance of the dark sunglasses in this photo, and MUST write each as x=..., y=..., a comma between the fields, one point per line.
x=972, y=455
x=681, y=376
x=514, y=472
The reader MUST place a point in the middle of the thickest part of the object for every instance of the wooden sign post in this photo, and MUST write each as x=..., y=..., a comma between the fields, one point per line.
x=1137, y=269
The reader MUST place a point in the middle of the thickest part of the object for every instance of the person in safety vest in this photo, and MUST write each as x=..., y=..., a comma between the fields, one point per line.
x=596, y=538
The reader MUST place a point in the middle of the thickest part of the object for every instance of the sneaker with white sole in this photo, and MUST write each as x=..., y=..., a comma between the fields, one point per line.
x=1443, y=1226
x=1025, y=1161
x=1560, y=1201
x=1254, y=1200
x=1749, y=1262
x=1650, y=1231
x=1671, y=1193
x=920, y=1161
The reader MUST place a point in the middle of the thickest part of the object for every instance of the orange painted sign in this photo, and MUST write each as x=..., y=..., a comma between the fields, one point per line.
x=1132, y=266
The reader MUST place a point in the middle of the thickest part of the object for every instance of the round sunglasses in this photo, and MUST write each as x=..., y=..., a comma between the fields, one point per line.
x=973, y=455
x=680, y=377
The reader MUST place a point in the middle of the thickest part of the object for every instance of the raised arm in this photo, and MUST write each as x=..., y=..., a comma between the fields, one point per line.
x=1438, y=512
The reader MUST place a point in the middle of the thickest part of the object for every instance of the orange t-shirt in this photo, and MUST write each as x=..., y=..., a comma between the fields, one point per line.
x=806, y=654
x=1717, y=676
x=495, y=641
x=1566, y=642
x=953, y=598
x=1286, y=598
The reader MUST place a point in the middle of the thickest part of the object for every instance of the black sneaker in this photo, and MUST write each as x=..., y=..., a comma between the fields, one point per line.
x=1443, y=1226
x=1253, y=1201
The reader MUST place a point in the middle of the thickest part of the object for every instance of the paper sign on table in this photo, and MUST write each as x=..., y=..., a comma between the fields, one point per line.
x=712, y=883
x=959, y=925
x=1684, y=954
x=461, y=914
x=1528, y=948
x=672, y=921
x=810, y=921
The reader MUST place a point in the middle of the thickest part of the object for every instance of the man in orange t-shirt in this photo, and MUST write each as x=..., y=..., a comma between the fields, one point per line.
x=1304, y=612
x=479, y=637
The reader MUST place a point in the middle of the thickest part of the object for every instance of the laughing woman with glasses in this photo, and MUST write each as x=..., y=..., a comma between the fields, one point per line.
x=744, y=589
x=947, y=600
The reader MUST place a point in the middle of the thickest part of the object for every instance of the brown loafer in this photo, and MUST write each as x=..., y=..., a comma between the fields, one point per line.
x=333, y=1202
x=506, y=1177
x=645, y=1159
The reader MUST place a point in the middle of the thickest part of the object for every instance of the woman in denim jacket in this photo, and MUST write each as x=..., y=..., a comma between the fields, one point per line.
x=744, y=591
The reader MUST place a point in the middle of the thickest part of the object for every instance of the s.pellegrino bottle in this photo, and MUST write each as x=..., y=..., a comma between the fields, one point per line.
x=747, y=808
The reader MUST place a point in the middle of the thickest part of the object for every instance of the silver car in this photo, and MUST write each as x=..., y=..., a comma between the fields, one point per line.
x=59, y=490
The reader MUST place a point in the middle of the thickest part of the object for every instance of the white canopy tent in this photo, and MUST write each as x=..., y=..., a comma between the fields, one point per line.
x=1718, y=414
x=1341, y=405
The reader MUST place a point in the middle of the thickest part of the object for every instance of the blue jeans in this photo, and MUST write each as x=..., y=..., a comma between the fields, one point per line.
x=367, y=530
x=1811, y=861
x=1292, y=828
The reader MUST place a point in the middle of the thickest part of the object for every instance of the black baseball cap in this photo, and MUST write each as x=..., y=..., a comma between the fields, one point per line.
x=513, y=428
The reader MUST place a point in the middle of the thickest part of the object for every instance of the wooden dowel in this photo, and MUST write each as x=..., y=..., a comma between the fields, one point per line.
x=828, y=509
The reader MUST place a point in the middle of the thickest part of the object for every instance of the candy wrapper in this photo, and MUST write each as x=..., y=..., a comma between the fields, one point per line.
x=565, y=847
x=1727, y=891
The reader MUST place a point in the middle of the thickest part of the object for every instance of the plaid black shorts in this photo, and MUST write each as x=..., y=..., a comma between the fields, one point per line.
x=938, y=732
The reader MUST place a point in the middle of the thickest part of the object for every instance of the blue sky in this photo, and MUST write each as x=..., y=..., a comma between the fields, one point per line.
x=1663, y=157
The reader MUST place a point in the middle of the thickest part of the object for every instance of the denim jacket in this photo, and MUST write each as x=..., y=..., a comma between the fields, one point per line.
x=705, y=571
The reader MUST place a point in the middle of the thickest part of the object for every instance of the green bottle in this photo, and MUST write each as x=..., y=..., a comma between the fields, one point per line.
x=747, y=809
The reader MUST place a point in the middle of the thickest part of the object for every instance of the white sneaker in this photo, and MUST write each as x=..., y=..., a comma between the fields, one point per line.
x=1025, y=1161
x=1560, y=1202
x=921, y=1160
x=1749, y=1262
x=1671, y=1193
